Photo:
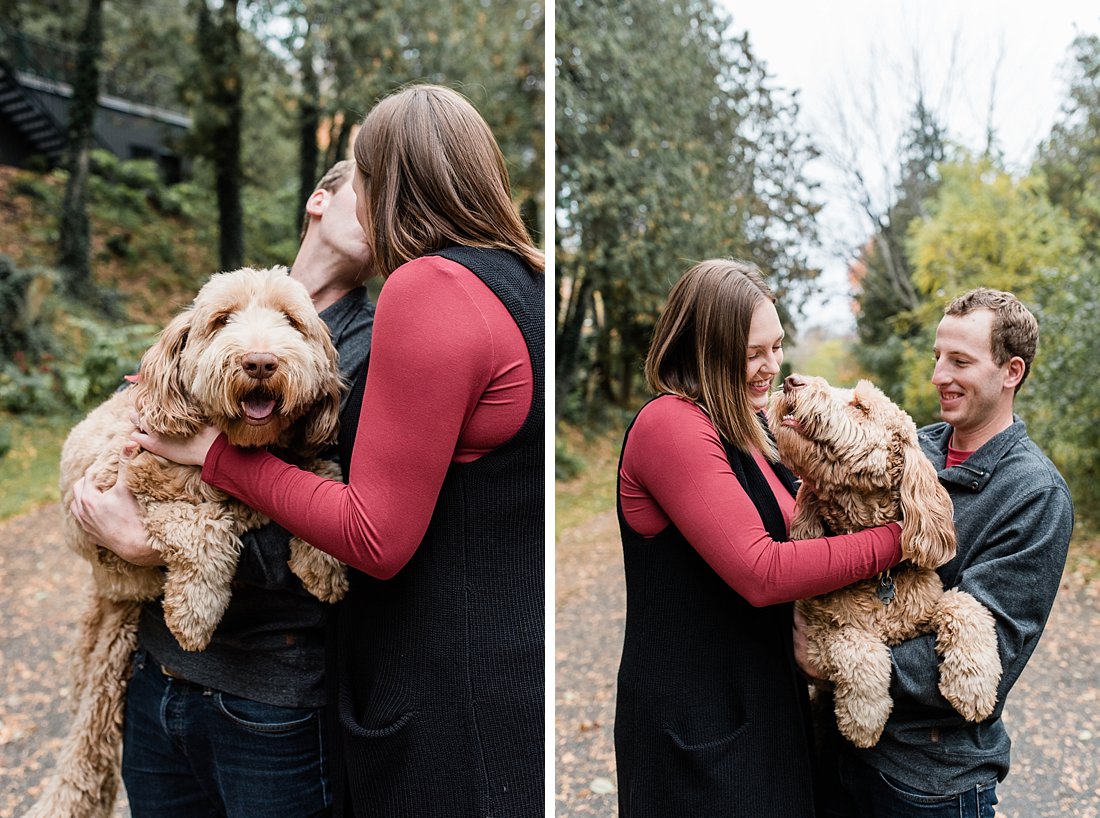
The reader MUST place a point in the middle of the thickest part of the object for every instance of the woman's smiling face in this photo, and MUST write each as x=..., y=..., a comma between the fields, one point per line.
x=764, y=354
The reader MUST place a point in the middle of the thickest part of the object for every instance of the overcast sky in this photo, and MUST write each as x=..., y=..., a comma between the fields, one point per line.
x=836, y=52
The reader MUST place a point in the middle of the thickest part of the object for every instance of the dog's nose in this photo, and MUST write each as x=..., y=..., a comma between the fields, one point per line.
x=792, y=382
x=259, y=365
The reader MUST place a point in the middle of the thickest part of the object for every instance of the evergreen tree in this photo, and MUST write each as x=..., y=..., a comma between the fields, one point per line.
x=671, y=148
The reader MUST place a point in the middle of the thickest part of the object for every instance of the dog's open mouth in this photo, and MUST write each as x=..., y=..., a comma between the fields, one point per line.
x=791, y=422
x=259, y=408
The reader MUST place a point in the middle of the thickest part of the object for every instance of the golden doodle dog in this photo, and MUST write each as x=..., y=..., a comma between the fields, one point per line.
x=251, y=357
x=861, y=466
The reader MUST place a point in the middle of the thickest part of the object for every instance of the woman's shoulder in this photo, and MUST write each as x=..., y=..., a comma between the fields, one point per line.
x=428, y=270
x=670, y=418
x=666, y=408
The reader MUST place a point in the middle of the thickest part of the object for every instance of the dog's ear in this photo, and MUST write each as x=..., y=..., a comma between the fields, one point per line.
x=864, y=392
x=161, y=394
x=322, y=422
x=927, y=531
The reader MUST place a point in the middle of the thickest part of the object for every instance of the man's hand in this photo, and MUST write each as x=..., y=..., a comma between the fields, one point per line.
x=112, y=518
x=801, y=649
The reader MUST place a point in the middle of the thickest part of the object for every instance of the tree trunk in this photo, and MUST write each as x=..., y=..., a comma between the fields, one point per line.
x=220, y=53
x=74, y=242
x=309, y=120
x=343, y=136
x=567, y=352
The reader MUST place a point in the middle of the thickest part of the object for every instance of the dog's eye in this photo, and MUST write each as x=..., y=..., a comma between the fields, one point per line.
x=861, y=407
x=295, y=323
x=220, y=320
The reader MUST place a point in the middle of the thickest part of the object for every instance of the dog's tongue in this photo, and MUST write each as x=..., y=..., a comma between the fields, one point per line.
x=259, y=409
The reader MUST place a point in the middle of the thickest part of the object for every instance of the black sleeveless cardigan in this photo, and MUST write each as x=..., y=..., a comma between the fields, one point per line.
x=438, y=675
x=712, y=718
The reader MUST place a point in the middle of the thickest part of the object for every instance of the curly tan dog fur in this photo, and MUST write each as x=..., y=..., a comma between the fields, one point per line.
x=858, y=457
x=252, y=358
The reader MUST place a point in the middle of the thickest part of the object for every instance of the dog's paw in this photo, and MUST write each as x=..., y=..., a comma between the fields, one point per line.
x=972, y=696
x=324, y=576
x=861, y=716
x=192, y=634
x=970, y=667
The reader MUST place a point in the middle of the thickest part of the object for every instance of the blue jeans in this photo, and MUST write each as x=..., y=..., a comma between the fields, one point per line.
x=196, y=752
x=864, y=792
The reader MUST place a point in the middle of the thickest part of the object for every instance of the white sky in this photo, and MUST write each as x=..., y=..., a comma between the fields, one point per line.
x=836, y=52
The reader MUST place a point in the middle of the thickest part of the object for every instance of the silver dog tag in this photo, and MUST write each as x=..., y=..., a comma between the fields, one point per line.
x=885, y=590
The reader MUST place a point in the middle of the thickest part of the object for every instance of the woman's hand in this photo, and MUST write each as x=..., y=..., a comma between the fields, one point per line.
x=801, y=648
x=112, y=518
x=190, y=451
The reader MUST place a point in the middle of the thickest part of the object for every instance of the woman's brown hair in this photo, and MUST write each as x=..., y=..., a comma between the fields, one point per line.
x=700, y=347
x=434, y=176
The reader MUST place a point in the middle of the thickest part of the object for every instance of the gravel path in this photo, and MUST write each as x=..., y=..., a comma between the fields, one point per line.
x=44, y=586
x=1053, y=713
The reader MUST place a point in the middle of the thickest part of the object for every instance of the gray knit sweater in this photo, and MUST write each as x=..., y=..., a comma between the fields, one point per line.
x=1013, y=518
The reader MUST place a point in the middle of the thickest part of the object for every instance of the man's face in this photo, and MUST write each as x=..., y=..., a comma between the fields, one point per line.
x=340, y=228
x=972, y=387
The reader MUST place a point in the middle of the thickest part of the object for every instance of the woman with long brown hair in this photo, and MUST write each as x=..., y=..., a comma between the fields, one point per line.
x=711, y=713
x=438, y=672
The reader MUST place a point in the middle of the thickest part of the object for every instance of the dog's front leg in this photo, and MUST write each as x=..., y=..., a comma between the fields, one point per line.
x=859, y=665
x=322, y=575
x=966, y=639
x=200, y=544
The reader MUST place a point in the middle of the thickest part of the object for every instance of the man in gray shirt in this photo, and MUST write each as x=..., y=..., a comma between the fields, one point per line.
x=238, y=729
x=1013, y=518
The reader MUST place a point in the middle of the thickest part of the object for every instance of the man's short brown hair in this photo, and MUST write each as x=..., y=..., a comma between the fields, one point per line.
x=1015, y=332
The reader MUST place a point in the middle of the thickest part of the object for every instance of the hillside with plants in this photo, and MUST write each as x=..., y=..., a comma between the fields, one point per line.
x=96, y=253
x=151, y=250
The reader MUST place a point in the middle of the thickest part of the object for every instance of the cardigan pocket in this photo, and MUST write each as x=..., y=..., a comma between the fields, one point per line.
x=696, y=745
x=704, y=763
x=377, y=757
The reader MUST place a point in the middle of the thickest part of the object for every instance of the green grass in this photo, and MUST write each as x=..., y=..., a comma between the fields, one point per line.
x=29, y=470
x=592, y=490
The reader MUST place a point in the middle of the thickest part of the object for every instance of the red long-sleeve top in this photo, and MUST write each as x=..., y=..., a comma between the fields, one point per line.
x=675, y=471
x=450, y=380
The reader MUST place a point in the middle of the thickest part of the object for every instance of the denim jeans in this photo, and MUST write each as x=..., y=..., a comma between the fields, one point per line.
x=196, y=752
x=864, y=792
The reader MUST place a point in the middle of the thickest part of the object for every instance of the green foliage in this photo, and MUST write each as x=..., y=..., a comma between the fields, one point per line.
x=1062, y=403
x=984, y=228
x=28, y=392
x=53, y=357
x=988, y=229
x=671, y=148
x=1069, y=159
x=1058, y=400
x=567, y=463
x=5, y=440
x=27, y=312
x=111, y=352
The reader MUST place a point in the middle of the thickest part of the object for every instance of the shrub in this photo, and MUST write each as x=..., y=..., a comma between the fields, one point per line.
x=26, y=307
x=111, y=353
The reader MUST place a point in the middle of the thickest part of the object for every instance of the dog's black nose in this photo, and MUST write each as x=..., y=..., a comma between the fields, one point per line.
x=792, y=382
x=259, y=365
